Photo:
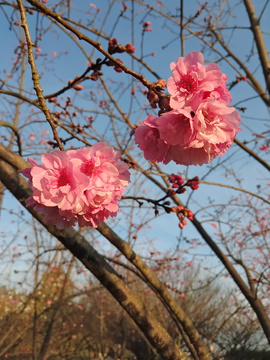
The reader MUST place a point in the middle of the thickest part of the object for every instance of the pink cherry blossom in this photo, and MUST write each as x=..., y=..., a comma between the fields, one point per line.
x=187, y=156
x=215, y=126
x=147, y=137
x=80, y=186
x=221, y=92
x=55, y=183
x=200, y=124
x=215, y=123
x=176, y=127
x=190, y=77
x=186, y=139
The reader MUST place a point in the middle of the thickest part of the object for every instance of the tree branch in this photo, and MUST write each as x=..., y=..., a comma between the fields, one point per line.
x=259, y=40
x=157, y=336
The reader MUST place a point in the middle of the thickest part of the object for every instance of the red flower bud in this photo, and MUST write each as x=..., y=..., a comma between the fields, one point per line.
x=146, y=23
x=78, y=87
x=117, y=68
x=130, y=49
x=112, y=44
x=152, y=98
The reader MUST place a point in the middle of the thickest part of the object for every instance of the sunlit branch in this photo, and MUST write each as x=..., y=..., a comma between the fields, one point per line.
x=253, y=81
x=20, y=96
x=236, y=188
x=256, y=85
x=115, y=103
x=94, y=262
x=36, y=76
x=72, y=133
x=18, y=107
x=15, y=131
x=95, y=44
x=253, y=154
x=106, y=37
x=70, y=85
x=260, y=44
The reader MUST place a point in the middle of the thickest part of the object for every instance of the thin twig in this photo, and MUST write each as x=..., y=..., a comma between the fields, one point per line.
x=15, y=131
x=252, y=153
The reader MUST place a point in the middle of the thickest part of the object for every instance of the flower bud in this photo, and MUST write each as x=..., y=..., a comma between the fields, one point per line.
x=146, y=23
x=117, y=68
x=130, y=49
x=112, y=44
x=152, y=98
x=78, y=87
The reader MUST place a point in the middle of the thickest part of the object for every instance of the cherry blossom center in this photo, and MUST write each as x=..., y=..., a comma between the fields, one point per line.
x=62, y=179
x=88, y=167
x=188, y=83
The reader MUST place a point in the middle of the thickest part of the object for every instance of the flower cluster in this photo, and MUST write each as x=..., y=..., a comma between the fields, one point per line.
x=179, y=183
x=200, y=124
x=114, y=47
x=146, y=25
x=78, y=186
x=176, y=181
x=181, y=213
